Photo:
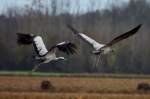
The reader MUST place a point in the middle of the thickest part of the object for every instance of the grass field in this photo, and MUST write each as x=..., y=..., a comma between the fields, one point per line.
x=37, y=95
x=24, y=85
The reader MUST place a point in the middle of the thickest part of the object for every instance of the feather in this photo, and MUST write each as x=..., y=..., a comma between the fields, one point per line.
x=66, y=47
x=86, y=38
x=124, y=36
x=25, y=39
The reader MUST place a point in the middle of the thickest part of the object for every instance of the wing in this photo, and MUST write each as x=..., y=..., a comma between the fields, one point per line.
x=124, y=36
x=25, y=39
x=85, y=38
x=39, y=46
x=66, y=47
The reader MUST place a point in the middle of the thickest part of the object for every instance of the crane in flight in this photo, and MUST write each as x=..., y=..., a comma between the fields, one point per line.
x=99, y=48
x=43, y=55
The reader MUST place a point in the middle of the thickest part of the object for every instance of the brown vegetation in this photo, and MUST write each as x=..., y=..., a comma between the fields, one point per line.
x=143, y=87
x=37, y=95
x=46, y=85
x=71, y=84
x=22, y=87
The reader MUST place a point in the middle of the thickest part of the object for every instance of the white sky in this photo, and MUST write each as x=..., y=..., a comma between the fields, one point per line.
x=84, y=4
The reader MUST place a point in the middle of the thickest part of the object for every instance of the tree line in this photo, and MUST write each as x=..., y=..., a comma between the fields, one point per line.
x=131, y=55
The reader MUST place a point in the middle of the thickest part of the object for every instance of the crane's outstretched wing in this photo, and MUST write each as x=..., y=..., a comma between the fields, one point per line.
x=39, y=46
x=37, y=42
x=66, y=47
x=124, y=36
x=85, y=38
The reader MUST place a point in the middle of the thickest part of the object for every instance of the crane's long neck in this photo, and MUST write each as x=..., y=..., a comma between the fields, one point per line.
x=96, y=52
x=59, y=58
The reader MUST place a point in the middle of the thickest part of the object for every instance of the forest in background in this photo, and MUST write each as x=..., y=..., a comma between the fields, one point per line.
x=131, y=55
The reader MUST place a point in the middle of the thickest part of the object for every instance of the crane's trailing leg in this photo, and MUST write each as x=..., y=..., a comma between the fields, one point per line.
x=43, y=55
x=97, y=60
x=36, y=67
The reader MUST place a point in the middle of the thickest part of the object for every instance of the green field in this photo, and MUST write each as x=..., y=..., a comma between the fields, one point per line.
x=40, y=74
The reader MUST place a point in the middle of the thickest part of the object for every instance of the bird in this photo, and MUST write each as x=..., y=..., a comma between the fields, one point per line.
x=102, y=49
x=43, y=55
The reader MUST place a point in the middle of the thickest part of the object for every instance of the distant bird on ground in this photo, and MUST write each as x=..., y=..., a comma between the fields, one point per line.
x=44, y=55
x=103, y=48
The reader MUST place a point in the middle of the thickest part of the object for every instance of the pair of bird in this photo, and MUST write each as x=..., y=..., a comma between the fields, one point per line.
x=46, y=56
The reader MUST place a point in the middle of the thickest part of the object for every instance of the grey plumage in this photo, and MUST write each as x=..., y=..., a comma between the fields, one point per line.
x=44, y=55
x=103, y=48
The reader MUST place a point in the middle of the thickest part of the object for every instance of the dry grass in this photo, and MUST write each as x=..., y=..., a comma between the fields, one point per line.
x=71, y=84
x=37, y=95
x=24, y=87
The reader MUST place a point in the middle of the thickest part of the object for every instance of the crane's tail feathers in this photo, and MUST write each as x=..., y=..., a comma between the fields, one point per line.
x=25, y=39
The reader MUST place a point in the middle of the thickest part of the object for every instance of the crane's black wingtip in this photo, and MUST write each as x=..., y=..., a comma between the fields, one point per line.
x=134, y=30
x=72, y=28
x=67, y=47
x=139, y=26
x=71, y=48
x=23, y=38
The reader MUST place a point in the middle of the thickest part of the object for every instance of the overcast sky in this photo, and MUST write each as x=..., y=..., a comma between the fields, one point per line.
x=84, y=4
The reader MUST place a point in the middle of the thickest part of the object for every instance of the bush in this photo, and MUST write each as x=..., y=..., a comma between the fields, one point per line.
x=143, y=87
x=46, y=85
